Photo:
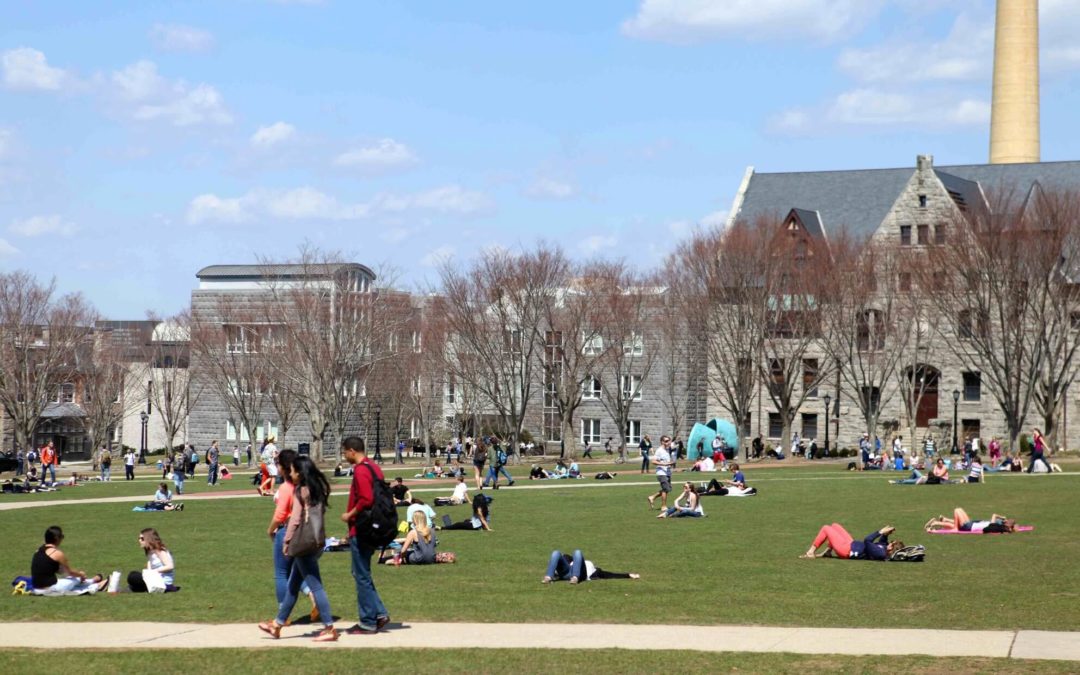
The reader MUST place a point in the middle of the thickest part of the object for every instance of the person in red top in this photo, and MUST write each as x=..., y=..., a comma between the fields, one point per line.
x=48, y=461
x=373, y=614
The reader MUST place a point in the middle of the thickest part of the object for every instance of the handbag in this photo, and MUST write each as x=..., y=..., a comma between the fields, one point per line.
x=155, y=583
x=308, y=537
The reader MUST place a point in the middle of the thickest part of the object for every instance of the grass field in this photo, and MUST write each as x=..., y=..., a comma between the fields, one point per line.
x=739, y=565
x=210, y=662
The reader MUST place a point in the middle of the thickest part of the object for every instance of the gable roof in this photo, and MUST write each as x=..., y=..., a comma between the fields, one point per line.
x=861, y=198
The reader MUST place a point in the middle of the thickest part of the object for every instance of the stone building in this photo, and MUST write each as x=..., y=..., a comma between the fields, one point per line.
x=906, y=207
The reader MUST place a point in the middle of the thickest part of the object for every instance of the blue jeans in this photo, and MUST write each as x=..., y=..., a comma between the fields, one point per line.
x=369, y=604
x=282, y=567
x=178, y=481
x=676, y=512
x=52, y=472
x=106, y=472
x=305, y=572
x=559, y=569
x=211, y=476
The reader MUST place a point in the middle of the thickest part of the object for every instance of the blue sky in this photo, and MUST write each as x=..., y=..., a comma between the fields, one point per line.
x=141, y=141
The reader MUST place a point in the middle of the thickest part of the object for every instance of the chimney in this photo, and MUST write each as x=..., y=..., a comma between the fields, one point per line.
x=1014, y=113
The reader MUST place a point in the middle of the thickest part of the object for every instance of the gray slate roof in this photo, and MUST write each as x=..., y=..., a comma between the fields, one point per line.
x=54, y=410
x=860, y=199
x=255, y=272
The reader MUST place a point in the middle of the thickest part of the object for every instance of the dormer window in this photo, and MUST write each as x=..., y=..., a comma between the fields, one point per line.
x=922, y=201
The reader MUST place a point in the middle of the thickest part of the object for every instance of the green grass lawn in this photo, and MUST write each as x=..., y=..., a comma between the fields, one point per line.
x=213, y=661
x=739, y=565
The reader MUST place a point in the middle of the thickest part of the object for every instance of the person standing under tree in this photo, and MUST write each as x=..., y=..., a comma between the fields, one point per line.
x=105, y=460
x=373, y=614
x=48, y=461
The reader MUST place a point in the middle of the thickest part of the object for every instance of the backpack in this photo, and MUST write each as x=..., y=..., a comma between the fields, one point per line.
x=915, y=553
x=500, y=457
x=377, y=525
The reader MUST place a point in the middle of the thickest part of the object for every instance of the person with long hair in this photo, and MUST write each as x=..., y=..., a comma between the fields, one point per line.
x=283, y=500
x=480, y=458
x=419, y=545
x=158, y=558
x=311, y=492
x=49, y=559
x=479, y=519
x=686, y=505
x=1038, y=449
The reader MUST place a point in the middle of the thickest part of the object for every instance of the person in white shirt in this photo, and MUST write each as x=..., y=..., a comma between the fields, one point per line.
x=707, y=464
x=129, y=465
x=661, y=459
x=460, y=496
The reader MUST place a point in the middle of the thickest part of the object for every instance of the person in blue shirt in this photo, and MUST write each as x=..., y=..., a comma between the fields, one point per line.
x=840, y=544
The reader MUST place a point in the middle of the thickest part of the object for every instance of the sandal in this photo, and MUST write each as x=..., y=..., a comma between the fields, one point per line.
x=272, y=627
x=328, y=634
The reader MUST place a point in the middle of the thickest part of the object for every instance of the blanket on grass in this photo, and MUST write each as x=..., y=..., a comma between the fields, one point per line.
x=1019, y=528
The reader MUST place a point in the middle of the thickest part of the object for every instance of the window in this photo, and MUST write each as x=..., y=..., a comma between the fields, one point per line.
x=776, y=425
x=939, y=281
x=871, y=331
x=746, y=426
x=236, y=433
x=240, y=340
x=871, y=398
x=590, y=431
x=593, y=345
x=940, y=234
x=966, y=327
x=905, y=281
x=972, y=386
x=631, y=387
x=66, y=394
x=924, y=235
x=776, y=379
x=969, y=429
x=414, y=428
x=634, y=345
x=905, y=235
x=809, y=426
x=417, y=342
x=591, y=389
x=391, y=341
x=633, y=432
x=451, y=388
x=809, y=376
x=513, y=341
x=922, y=201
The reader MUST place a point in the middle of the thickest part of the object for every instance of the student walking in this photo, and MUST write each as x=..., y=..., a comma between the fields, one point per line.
x=372, y=613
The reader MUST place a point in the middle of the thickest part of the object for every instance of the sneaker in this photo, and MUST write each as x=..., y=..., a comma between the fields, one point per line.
x=381, y=622
x=357, y=629
x=573, y=580
x=511, y=483
x=546, y=580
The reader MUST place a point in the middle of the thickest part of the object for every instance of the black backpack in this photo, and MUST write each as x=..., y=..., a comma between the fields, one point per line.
x=378, y=524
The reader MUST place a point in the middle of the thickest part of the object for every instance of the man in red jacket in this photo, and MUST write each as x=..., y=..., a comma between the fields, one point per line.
x=373, y=615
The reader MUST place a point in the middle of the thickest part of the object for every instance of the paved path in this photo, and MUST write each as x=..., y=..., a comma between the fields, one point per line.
x=1024, y=644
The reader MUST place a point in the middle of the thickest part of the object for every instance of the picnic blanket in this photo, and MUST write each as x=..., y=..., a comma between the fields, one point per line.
x=1019, y=528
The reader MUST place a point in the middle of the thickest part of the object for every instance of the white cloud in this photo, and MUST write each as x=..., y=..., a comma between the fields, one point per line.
x=385, y=154
x=714, y=219
x=873, y=107
x=26, y=68
x=550, y=188
x=147, y=96
x=174, y=37
x=271, y=135
x=6, y=249
x=597, y=243
x=37, y=226
x=308, y=203
x=688, y=21
x=438, y=256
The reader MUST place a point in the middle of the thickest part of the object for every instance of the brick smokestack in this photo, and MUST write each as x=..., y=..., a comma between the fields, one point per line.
x=1014, y=114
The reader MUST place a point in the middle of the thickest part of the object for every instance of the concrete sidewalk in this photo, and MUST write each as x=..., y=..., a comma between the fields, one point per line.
x=1022, y=644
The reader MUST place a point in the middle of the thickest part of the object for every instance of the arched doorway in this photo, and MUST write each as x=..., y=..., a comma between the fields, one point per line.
x=923, y=380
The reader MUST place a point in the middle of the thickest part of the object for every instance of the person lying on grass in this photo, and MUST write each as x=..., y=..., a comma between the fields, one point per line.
x=538, y=472
x=840, y=544
x=686, y=505
x=576, y=568
x=163, y=500
x=480, y=515
x=962, y=522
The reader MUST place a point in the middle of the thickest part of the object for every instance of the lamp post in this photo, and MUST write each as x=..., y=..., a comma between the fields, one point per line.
x=378, y=432
x=828, y=400
x=142, y=438
x=955, y=402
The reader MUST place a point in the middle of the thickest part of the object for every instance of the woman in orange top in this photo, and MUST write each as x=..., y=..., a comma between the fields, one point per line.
x=283, y=501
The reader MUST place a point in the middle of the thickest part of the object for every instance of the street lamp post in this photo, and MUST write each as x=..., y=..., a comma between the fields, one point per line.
x=955, y=402
x=142, y=437
x=378, y=432
x=828, y=400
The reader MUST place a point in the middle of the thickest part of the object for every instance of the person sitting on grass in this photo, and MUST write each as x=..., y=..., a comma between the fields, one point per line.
x=418, y=548
x=49, y=559
x=975, y=471
x=686, y=505
x=576, y=568
x=560, y=471
x=158, y=559
x=840, y=544
x=402, y=496
x=962, y=522
x=479, y=519
x=163, y=500
x=418, y=506
x=460, y=496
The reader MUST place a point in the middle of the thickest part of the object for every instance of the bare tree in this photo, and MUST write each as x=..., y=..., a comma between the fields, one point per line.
x=170, y=389
x=494, y=319
x=40, y=335
x=626, y=343
x=103, y=370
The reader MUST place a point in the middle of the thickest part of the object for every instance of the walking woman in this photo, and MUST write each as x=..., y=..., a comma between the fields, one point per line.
x=283, y=509
x=645, y=446
x=311, y=492
x=1038, y=449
